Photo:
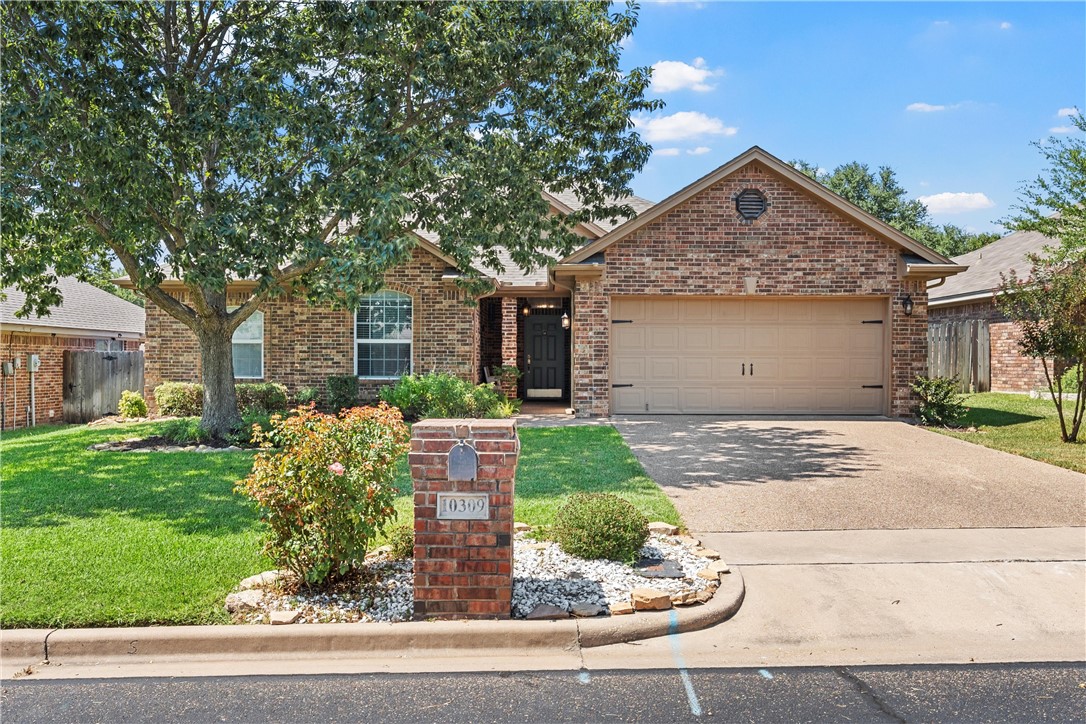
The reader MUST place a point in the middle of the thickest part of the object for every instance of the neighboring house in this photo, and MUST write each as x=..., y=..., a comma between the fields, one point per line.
x=88, y=318
x=970, y=297
x=753, y=290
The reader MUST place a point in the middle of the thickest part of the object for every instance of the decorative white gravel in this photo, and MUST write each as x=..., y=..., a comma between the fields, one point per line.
x=543, y=576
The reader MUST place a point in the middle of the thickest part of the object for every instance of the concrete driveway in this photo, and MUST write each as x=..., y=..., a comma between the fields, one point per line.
x=733, y=474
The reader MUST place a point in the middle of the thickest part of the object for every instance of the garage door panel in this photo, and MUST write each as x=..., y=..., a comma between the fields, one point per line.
x=663, y=369
x=663, y=400
x=695, y=356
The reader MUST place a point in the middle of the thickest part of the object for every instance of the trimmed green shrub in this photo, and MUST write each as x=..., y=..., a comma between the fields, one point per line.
x=443, y=395
x=185, y=431
x=328, y=489
x=132, y=404
x=342, y=392
x=401, y=538
x=600, y=525
x=261, y=397
x=183, y=399
x=940, y=402
x=243, y=434
x=308, y=395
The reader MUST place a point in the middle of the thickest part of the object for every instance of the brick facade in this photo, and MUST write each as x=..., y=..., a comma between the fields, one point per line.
x=464, y=568
x=1011, y=371
x=799, y=247
x=48, y=380
x=304, y=344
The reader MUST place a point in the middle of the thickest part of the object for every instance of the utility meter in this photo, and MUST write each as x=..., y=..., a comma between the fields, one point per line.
x=9, y=369
x=33, y=362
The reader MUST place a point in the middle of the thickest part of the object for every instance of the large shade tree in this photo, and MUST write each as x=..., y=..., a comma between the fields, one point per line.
x=300, y=145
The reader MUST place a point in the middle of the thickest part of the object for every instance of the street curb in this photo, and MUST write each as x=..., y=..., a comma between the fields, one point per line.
x=342, y=640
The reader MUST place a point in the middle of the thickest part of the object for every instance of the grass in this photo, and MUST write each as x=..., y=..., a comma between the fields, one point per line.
x=1020, y=425
x=124, y=539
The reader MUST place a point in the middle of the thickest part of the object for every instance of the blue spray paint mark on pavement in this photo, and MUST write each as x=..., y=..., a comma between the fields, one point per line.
x=583, y=677
x=676, y=653
x=765, y=673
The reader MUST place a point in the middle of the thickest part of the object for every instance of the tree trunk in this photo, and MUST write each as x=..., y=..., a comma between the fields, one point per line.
x=220, y=414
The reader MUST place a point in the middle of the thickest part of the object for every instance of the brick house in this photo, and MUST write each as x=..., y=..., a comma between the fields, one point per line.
x=971, y=296
x=88, y=318
x=753, y=290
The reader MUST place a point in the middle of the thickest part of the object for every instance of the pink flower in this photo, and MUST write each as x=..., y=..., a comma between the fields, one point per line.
x=336, y=468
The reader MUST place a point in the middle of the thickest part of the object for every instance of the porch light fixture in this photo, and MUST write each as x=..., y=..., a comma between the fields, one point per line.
x=526, y=310
x=907, y=305
x=565, y=320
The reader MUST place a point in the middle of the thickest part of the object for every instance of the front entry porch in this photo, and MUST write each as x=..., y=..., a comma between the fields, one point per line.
x=531, y=334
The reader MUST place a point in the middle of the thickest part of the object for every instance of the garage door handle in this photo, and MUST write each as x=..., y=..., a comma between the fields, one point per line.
x=751, y=369
x=743, y=371
x=613, y=386
x=872, y=387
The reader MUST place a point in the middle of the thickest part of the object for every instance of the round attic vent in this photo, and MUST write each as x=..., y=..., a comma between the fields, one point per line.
x=750, y=204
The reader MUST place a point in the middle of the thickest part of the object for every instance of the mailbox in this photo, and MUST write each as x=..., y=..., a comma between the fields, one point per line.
x=463, y=462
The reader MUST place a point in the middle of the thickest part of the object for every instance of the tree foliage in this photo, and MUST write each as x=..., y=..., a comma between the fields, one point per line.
x=879, y=194
x=301, y=145
x=1049, y=306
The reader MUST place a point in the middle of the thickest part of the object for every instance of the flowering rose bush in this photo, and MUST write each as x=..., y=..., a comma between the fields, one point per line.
x=324, y=484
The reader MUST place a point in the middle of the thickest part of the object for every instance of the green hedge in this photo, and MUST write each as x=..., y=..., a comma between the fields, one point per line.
x=443, y=395
x=186, y=399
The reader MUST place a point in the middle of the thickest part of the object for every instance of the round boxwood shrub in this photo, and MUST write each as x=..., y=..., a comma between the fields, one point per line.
x=600, y=525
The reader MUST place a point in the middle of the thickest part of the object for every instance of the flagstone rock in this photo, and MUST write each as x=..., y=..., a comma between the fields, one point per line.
x=586, y=610
x=688, y=541
x=720, y=567
x=547, y=612
x=707, y=553
x=283, y=618
x=262, y=580
x=521, y=527
x=663, y=528
x=621, y=608
x=244, y=601
x=708, y=574
x=650, y=599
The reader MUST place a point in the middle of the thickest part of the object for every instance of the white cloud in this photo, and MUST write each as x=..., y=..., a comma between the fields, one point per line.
x=1065, y=112
x=673, y=75
x=1005, y=25
x=682, y=126
x=699, y=151
x=1062, y=129
x=666, y=151
x=956, y=203
x=924, y=108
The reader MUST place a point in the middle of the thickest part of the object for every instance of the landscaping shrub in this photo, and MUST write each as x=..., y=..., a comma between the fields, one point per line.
x=132, y=404
x=183, y=399
x=186, y=431
x=261, y=396
x=401, y=538
x=342, y=391
x=940, y=402
x=243, y=434
x=600, y=525
x=308, y=395
x=443, y=395
x=328, y=489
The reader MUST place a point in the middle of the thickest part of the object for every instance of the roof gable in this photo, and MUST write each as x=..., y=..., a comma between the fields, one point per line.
x=792, y=176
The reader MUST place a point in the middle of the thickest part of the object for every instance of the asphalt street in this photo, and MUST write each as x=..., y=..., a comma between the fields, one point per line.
x=979, y=693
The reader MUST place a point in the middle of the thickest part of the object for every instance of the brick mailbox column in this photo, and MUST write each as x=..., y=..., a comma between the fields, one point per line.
x=463, y=472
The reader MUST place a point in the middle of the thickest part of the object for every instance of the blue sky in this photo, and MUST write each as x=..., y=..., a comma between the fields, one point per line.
x=949, y=95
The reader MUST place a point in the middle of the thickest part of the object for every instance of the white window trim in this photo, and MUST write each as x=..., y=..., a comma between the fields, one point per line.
x=409, y=342
x=261, y=343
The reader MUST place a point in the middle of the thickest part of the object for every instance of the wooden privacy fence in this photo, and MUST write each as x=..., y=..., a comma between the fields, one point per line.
x=961, y=349
x=93, y=382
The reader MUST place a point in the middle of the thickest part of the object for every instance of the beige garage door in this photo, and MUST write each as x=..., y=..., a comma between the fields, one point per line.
x=731, y=355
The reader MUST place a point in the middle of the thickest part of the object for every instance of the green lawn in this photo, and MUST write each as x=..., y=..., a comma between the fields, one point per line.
x=1020, y=425
x=110, y=539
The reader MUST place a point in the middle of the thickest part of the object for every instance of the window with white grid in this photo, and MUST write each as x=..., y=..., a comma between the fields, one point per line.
x=382, y=335
x=249, y=348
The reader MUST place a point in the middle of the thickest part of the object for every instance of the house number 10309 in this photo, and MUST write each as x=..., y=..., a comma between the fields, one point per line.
x=463, y=506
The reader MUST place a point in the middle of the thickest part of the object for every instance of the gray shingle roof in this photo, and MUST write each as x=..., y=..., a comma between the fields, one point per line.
x=84, y=306
x=987, y=263
x=637, y=203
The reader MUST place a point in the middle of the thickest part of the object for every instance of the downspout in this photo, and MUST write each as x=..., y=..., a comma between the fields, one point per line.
x=33, y=407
